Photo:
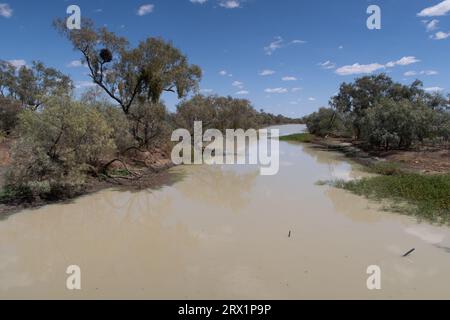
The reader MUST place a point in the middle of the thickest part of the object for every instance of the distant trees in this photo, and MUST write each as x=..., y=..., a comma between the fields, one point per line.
x=384, y=114
x=30, y=85
x=153, y=67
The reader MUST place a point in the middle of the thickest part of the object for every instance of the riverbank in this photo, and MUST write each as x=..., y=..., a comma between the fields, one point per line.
x=137, y=170
x=415, y=183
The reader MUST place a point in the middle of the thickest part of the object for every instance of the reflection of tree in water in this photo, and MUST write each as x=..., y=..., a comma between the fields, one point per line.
x=219, y=187
x=338, y=166
x=132, y=204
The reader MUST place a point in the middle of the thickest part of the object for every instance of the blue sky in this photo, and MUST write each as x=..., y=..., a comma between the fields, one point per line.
x=286, y=56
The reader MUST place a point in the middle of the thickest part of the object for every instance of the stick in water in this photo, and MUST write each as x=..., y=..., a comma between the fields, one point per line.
x=409, y=252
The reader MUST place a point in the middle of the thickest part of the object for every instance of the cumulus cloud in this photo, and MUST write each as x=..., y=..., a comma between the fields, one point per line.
x=440, y=35
x=238, y=84
x=403, y=62
x=145, y=9
x=230, y=4
x=311, y=99
x=441, y=9
x=242, y=92
x=288, y=78
x=76, y=64
x=370, y=68
x=5, y=10
x=266, y=72
x=276, y=90
x=359, y=69
x=431, y=25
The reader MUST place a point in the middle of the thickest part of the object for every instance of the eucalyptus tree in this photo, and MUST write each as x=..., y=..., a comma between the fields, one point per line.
x=147, y=71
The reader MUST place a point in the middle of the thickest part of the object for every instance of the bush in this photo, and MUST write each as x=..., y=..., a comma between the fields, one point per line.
x=9, y=114
x=57, y=148
x=394, y=125
x=327, y=122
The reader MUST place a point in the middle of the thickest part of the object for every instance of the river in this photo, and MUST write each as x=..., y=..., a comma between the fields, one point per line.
x=222, y=232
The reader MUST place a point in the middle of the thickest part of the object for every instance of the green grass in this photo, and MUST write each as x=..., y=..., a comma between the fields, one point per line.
x=425, y=196
x=386, y=168
x=301, y=137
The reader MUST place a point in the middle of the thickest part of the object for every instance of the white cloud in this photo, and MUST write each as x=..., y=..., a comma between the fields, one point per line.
x=410, y=74
x=223, y=73
x=266, y=72
x=242, y=92
x=405, y=61
x=441, y=9
x=431, y=25
x=311, y=99
x=5, y=10
x=76, y=64
x=341, y=47
x=18, y=63
x=279, y=43
x=296, y=89
x=230, y=4
x=429, y=72
x=298, y=42
x=273, y=46
x=359, y=69
x=198, y=1
x=434, y=89
x=440, y=35
x=289, y=78
x=424, y=72
x=370, y=68
x=84, y=84
x=238, y=84
x=145, y=9
x=276, y=90
x=207, y=91
x=327, y=65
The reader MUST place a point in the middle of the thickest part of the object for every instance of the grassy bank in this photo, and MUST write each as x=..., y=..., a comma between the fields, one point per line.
x=424, y=196
x=300, y=137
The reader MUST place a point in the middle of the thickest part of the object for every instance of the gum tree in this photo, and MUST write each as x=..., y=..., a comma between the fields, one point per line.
x=124, y=73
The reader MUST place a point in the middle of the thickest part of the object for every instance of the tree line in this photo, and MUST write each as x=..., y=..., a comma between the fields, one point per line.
x=384, y=115
x=62, y=142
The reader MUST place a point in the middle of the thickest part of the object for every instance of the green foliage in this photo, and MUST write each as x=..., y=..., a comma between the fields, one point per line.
x=57, y=148
x=217, y=113
x=385, y=114
x=32, y=85
x=301, y=137
x=9, y=114
x=427, y=196
x=386, y=168
x=390, y=124
x=326, y=122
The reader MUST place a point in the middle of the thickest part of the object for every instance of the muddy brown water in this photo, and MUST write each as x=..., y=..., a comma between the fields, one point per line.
x=223, y=233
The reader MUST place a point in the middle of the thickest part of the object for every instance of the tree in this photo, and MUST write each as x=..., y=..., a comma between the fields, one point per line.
x=58, y=147
x=153, y=67
x=31, y=85
x=367, y=92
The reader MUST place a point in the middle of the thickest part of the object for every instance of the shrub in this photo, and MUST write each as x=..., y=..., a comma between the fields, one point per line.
x=57, y=148
x=393, y=125
x=9, y=114
x=327, y=122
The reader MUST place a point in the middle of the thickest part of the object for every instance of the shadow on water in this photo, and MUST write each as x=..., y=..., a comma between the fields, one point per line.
x=150, y=183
